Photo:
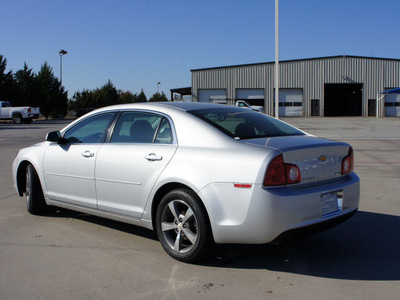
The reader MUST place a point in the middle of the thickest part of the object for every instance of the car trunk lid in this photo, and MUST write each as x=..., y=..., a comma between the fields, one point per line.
x=318, y=159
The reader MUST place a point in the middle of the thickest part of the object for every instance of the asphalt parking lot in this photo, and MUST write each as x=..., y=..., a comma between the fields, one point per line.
x=69, y=255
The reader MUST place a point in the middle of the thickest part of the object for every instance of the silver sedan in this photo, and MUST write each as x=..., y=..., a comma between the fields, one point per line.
x=196, y=173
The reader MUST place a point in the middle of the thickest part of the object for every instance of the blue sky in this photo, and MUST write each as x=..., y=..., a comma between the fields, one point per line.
x=138, y=43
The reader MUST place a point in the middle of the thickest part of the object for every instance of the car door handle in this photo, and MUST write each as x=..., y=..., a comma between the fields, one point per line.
x=87, y=153
x=153, y=157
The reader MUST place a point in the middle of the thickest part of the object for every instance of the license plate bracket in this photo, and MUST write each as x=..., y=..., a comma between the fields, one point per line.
x=331, y=203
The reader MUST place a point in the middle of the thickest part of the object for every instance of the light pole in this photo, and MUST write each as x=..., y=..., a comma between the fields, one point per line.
x=61, y=52
x=158, y=83
x=277, y=59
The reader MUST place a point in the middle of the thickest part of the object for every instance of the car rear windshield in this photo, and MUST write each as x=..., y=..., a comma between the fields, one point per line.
x=244, y=124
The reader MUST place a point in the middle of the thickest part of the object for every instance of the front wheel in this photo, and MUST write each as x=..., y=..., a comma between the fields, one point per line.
x=182, y=226
x=35, y=202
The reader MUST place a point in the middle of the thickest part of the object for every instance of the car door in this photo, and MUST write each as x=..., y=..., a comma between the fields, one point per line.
x=127, y=167
x=69, y=166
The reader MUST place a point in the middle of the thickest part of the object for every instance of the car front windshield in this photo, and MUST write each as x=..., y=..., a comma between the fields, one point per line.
x=245, y=124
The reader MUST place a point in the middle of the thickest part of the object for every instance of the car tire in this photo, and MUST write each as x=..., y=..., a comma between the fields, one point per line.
x=35, y=202
x=17, y=119
x=182, y=226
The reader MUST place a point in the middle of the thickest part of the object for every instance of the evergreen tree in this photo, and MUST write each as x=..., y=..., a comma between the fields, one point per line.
x=25, y=81
x=106, y=95
x=53, y=98
x=127, y=97
x=158, y=97
x=61, y=104
x=7, y=84
x=82, y=99
x=142, y=97
x=100, y=97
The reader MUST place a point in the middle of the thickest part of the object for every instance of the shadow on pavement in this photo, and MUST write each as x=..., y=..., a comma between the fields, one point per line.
x=123, y=227
x=367, y=247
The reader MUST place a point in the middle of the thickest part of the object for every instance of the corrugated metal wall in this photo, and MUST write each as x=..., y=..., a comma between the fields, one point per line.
x=310, y=75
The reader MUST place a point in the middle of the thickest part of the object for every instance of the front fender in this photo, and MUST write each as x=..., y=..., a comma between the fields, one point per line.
x=34, y=156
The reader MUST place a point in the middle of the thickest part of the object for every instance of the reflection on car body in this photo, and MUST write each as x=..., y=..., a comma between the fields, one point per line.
x=195, y=173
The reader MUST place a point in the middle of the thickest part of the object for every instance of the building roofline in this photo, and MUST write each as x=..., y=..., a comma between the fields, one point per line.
x=295, y=60
x=180, y=89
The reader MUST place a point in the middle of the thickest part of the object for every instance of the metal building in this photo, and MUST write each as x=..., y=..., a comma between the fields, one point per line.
x=325, y=86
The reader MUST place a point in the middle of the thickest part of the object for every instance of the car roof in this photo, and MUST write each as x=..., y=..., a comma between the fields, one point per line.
x=161, y=106
x=182, y=106
x=191, y=105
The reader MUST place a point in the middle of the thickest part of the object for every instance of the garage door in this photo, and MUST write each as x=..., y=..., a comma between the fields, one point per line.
x=392, y=105
x=249, y=94
x=343, y=99
x=290, y=102
x=216, y=96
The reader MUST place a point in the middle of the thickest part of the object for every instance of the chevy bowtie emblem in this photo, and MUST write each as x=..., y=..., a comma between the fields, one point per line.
x=322, y=158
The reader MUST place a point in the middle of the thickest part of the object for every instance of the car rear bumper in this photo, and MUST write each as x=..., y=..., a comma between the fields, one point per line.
x=260, y=215
x=314, y=228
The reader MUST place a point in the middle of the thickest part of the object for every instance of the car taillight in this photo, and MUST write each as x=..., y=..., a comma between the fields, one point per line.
x=348, y=162
x=279, y=173
x=292, y=173
x=29, y=110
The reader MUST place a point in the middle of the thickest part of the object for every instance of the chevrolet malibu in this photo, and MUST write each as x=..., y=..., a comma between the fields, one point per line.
x=196, y=173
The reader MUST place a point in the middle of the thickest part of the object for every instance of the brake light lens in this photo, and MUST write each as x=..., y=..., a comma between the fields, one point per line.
x=348, y=162
x=276, y=172
x=279, y=173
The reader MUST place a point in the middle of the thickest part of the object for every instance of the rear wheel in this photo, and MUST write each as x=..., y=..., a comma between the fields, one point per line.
x=182, y=226
x=34, y=195
x=17, y=119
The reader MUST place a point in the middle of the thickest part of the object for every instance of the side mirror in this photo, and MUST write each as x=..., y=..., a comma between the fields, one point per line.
x=54, y=136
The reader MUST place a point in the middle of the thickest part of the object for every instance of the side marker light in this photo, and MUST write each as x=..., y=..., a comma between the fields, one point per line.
x=242, y=185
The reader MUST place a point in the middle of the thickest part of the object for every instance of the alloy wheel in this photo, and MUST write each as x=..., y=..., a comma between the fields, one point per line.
x=179, y=226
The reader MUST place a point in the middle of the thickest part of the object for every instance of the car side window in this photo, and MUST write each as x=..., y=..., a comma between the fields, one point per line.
x=164, y=133
x=136, y=127
x=91, y=130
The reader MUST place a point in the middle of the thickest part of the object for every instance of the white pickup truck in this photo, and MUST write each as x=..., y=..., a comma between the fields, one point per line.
x=239, y=103
x=18, y=114
x=242, y=103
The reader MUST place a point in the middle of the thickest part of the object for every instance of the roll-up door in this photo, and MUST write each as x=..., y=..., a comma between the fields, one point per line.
x=392, y=105
x=216, y=96
x=290, y=102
